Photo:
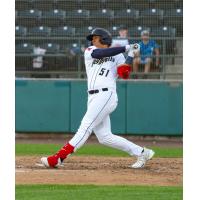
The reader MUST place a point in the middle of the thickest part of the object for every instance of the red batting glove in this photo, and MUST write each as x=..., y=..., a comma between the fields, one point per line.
x=124, y=71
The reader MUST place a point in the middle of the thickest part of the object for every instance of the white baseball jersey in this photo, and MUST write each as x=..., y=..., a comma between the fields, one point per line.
x=102, y=73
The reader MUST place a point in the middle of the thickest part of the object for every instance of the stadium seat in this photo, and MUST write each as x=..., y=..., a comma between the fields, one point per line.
x=104, y=13
x=178, y=12
x=28, y=17
x=30, y=13
x=163, y=31
x=114, y=30
x=53, y=17
x=83, y=31
x=39, y=31
x=126, y=13
x=20, y=31
x=78, y=17
x=75, y=49
x=79, y=13
x=63, y=31
x=24, y=48
x=51, y=48
x=103, y=17
x=136, y=31
x=51, y=14
x=174, y=17
x=152, y=12
x=151, y=17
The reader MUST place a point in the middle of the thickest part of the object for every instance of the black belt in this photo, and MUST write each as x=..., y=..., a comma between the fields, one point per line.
x=97, y=91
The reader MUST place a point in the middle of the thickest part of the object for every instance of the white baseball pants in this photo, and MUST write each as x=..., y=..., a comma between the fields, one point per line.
x=97, y=119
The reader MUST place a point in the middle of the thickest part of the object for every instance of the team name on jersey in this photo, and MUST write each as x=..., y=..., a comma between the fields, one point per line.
x=102, y=60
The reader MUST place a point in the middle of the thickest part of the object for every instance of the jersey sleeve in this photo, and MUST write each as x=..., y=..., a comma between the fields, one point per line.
x=120, y=60
x=88, y=52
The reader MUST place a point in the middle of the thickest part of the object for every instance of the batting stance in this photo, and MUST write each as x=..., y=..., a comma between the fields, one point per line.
x=103, y=66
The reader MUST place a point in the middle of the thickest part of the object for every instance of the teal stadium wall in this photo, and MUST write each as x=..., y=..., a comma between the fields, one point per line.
x=145, y=107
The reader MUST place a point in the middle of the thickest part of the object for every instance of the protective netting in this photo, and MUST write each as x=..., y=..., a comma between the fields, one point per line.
x=50, y=35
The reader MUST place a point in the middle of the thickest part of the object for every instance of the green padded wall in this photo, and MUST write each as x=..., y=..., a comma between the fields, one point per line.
x=42, y=106
x=154, y=108
x=144, y=107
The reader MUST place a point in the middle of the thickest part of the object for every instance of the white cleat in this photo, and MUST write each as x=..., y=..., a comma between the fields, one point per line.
x=143, y=158
x=45, y=163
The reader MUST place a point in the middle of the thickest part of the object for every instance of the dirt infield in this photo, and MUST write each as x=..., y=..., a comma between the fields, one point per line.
x=101, y=171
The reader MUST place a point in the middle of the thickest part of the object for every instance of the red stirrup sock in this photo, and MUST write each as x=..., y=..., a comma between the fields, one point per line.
x=62, y=154
x=65, y=151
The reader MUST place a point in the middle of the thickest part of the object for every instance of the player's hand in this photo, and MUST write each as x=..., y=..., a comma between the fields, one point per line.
x=133, y=49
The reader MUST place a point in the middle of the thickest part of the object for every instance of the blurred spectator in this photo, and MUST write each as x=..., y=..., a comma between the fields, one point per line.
x=123, y=32
x=122, y=39
x=38, y=57
x=148, y=48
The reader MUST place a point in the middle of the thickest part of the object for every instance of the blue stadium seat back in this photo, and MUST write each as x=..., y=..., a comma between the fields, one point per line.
x=51, y=48
x=63, y=31
x=32, y=13
x=39, y=31
x=114, y=30
x=75, y=48
x=164, y=31
x=83, y=31
x=20, y=31
x=127, y=13
x=103, y=13
x=24, y=48
x=178, y=12
x=54, y=14
x=152, y=12
x=136, y=31
x=79, y=13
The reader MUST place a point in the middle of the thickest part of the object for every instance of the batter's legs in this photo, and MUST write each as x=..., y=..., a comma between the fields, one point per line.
x=99, y=107
x=104, y=135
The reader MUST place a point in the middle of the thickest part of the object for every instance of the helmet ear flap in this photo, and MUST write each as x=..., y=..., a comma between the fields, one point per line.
x=104, y=41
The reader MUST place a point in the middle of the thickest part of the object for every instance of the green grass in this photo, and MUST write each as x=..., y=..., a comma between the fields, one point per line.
x=91, y=149
x=91, y=192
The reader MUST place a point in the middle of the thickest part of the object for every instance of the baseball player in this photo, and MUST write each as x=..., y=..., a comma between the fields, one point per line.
x=103, y=66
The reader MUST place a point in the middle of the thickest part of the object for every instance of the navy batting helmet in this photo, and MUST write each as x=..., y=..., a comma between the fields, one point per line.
x=105, y=35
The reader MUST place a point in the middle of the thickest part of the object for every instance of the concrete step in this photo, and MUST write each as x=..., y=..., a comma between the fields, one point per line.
x=174, y=68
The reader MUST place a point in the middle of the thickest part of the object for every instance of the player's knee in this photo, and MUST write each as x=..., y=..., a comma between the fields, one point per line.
x=106, y=139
